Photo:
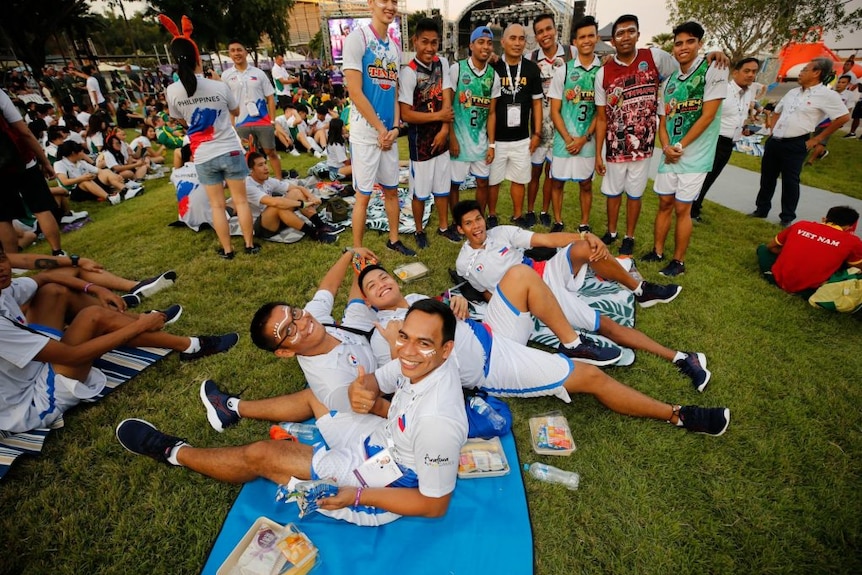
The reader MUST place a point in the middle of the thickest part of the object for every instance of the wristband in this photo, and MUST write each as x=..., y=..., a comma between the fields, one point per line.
x=301, y=204
x=583, y=235
x=492, y=145
x=87, y=287
x=74, y=260
x=356, y=499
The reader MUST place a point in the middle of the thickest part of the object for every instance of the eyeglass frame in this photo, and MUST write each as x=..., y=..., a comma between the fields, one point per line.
x=293, y=319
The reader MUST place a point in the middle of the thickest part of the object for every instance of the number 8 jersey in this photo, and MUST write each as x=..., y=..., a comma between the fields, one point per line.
x=474, y=90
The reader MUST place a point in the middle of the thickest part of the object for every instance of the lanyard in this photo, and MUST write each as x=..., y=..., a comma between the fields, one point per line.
x=516, y=85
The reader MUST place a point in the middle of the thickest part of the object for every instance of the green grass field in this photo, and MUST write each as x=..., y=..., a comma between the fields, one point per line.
x=779, y=493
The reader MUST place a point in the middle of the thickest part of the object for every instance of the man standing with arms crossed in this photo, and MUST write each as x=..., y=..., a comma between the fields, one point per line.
x=256, y=97
x=371, y=62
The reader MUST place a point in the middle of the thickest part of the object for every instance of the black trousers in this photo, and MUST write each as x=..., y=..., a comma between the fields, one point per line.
x=784, y=157
x=723, y=151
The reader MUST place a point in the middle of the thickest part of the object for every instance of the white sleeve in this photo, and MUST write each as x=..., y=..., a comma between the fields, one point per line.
x=320, y=306
x=406, y=85
x=387, y=376
x=495, y=87
x=514, y=236
x=555, y=90
x=10, y=112
x=447, y=79
x=833, y=106
x=664, y=62
x=440, y=438
x=266, y=86
x=232, y=102
x=453, y=75
x=353, y=49
x=110, y=160
x=254, y=194
x=601, y=98
x=716, y=84
x=660, y=108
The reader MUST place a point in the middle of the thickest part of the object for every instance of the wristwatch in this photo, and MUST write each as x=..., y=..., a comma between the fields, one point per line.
x=75, y=260
x=346, y=249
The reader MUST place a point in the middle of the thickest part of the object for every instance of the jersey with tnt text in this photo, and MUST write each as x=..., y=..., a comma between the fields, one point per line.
x=681, y=102
x=547, y=68
x=472, y=102
x=631, y=107
x=378, y=60
x=574, y=86
x=427, y=84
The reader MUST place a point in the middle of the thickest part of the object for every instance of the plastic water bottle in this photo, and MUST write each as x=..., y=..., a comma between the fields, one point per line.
x=480, y=406
x=302, y=431
x=635, y=273
x=551, y=474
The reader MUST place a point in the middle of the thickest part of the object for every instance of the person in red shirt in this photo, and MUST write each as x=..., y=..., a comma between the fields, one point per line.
x=803, y=256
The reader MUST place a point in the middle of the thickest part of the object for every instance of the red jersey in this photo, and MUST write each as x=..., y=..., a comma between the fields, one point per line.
x=632, y=104
x=811, y=252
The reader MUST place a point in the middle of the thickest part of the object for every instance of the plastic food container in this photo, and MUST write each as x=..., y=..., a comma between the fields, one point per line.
x=550, y=434
x=482, y=458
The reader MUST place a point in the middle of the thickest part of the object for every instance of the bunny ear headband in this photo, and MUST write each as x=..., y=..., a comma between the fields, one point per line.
x=175, y=32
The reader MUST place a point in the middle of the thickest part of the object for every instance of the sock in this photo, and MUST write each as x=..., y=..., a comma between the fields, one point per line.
x=639, y=290
x=679, y=356
x=573, y=344
x=316, y=220
x=172, y=456
x=194, y=347
x=233, y=404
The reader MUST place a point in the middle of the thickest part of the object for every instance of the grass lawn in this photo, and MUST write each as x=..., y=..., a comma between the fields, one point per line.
x=780, y=492
x=839, y=172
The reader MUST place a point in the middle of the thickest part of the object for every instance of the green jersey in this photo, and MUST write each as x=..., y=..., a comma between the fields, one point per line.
x=574, y=86
x=471, y=103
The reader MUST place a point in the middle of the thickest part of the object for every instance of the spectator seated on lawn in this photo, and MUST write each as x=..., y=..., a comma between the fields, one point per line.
x=804, y=255
x=83, y=180
x=97, y=132
x=46, y=354
x=168, y=132
x=116, y=156
x=146, y=146
x=126, y=118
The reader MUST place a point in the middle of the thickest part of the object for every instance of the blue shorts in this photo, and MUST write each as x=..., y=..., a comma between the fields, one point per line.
x=230, y=166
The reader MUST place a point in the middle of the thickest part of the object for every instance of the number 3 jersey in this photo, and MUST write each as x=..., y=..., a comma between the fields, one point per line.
x=574, y=86
x=681, y=101
x=474, y=90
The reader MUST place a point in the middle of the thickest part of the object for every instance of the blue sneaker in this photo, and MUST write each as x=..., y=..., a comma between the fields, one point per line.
x=693, y=366
x=708, y=420
x=421, y=240
x=142, y=437
x=211, y=345
x=219, y=414
x=172, y=313
x=590, y=352
x=652, y=294
x=152, y=286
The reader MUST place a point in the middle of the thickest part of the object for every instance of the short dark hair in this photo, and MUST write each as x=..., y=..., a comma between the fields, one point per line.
x=252, y=158
x=360, y=281
x=625, y=18
x=691, y=27
x=68, y=148
x=463, y=208
x=322, y=109
x=842, y=76
x=259, y=334
x=236, y=41
x=541, y=17
x=56, y=131
x=440, y=309
x=584, y=23
x=842, y=216
x=744, y=61
x=426, y=25
x=88, y=70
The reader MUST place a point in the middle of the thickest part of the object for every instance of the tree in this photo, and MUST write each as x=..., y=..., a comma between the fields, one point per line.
x=315, y=45
x=663, y=41
x=747, y=27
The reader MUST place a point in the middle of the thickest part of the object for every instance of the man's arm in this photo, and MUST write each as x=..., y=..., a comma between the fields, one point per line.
x=536, y=136
x=103, y=294
x=360, y=102
x=400, y=500
x=561, y=239
x=828, y=131
x=491, y=126
x=34, y=145
x=601, y=130
x=333, y=278
x=270, y=107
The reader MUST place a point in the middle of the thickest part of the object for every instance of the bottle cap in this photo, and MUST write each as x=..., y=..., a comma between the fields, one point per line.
x=526, y=467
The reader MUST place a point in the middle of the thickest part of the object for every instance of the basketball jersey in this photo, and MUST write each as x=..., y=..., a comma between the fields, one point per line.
x=472, y=102
x=546, y=71
x=578, y=108
x=631, y=107
x=427, y=97
x=378, y=60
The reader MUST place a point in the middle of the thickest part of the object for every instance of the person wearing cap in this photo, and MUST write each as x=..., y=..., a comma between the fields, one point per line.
x=475, y=86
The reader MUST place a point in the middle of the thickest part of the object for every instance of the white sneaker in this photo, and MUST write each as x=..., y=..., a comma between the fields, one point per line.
x=79, y=215
x=67, y=219
x=318, y=154
x=73, y=217
x=115, y=199
x=132, y=192
x=132, y=184
x=293, y=152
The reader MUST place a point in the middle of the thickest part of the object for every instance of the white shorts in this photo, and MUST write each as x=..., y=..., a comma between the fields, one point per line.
x=572, y=169
x=628, y=177
x=565, y=283
x=459, y=170
x=511, y=162
x=371, y=165
x=430, y=177
x=344, y=434
x=59, y=393
x=541, y=155
x=516, y=370
x=685, y=187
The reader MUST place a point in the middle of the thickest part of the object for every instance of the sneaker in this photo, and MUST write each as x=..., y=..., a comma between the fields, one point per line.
x=652, y=294
x=757, y=214
x=219, y=414
x=293, y=152
x=132, y=185
x=333, y=229
x=823, y=155
x=785, y=223
x=589, y=351
x=627, y=248
x=653, y=257
x=454, y=229
x=115, y=199
x=293, y=174
x=558, y=227
x=400, y=248
x=131, y=300
x=172, y=313
x=421, y=240
x=67, y=219
x=585, y=228
x=450, y=234
x=530, y=218
x=142, y=437
x=708, y=420
x=609, y=238
x=520, y=221
x=492, y=222
x=225, y=255
x=59, y=253
x=694, y=367
x=324, y=238
x=132, y=192
x=252, y=249
x=211, y=345
x=545, y=219
x=850, y=135
x=152, y=286
x=318, y=154
x=673, y=269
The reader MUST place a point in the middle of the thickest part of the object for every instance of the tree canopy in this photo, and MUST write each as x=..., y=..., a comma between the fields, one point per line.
x=748, y=27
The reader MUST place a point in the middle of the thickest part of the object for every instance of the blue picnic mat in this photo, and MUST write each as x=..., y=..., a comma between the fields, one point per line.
x=486, y=530
x=119, y=366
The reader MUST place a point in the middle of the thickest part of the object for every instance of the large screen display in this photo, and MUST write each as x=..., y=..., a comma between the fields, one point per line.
x=339, y=28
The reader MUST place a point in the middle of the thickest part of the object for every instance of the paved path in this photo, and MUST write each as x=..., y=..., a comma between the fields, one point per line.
x=736, y=188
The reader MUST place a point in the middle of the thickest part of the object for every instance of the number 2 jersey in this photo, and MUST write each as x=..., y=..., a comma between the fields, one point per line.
x=474, y=90
x=574, y=86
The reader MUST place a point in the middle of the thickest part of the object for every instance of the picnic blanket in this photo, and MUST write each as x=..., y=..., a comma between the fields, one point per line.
x=486, y=530
x=119, y=365
x=376, y=214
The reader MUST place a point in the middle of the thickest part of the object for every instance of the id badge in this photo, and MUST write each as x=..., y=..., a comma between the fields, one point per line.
x=251, y=108
x=379, y=470
x=513, y=115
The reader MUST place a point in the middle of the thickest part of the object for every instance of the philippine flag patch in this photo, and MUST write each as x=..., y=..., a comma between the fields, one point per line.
x=504, y=250
x=352, y=360
x=480, y=267
x=402, y=422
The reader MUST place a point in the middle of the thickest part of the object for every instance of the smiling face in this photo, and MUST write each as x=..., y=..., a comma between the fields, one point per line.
x=546, y=33
x=297, y=333
x=384, y=10
x=472, y=227
x=237, y=54
x=585, y=40
x=420, y=346
x=625, y=38
x=513, y=42
x=426, y=44
x=381, y=290
x=481, y=49
x=686, y=48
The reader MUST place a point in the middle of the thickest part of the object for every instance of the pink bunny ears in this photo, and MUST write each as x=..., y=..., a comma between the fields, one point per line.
x=171, y=27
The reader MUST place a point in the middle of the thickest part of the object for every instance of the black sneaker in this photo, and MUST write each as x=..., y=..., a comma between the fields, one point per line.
x=225, y=255
x=757, y=214
x=530, y=218
x=849, y=135
x=653, y=257
x=558, y=227
x=131, y=300
x=333, y=229
x=545, y=219
x=520, y=221
x=673, y=269
x=142, y=437
x=400, y=248
x=215, y=401
x=694, y=367
x=585, y=228
x=252, y=249
x=324, y=238
x=609, y=238
x=589, y=351
x=708, y=420
x=652, y=294
x=627, y=248
x=785, y=223
x=450, y=234
x=171, y=314
x=492, y=222
x=211, y=345
x=421, y=240
x=152, y=286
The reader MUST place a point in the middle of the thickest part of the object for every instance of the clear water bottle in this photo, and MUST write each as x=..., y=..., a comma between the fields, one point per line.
x=551, y=474
x=480, y=406
x=635, y=273
x=302, y=431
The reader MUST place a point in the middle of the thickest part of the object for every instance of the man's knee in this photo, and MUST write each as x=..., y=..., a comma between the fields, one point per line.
x=584, y=378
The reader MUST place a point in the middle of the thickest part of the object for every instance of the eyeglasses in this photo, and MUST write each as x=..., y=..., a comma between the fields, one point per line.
x=291, y=315
x=622, y=32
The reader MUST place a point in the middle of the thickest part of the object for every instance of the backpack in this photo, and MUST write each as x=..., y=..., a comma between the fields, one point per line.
x=842, y=293
x=338, y=209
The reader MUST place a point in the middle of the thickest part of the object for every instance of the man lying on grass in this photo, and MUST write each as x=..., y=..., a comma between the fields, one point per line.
x=46, y=354
x=424, y=428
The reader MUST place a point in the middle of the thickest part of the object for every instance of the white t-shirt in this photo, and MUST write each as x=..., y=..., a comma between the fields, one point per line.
x=734, y=110
x=849, y=97
x=83, y=117
x=74, y=170
x=251, y=88
x=10, y=112
x=256, y=192
x=141, y=142
x=193, y=206
x=336, y=155
x=485, y=267
x=280, y=74
x=207, y=115
x=802, y=110
x=93, y=86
